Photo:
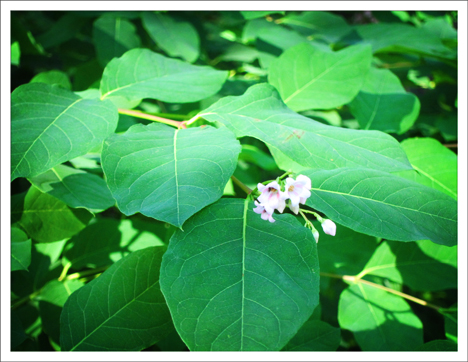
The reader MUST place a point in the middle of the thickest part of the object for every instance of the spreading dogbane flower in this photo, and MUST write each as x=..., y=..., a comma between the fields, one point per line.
x=297, y=191
x=272, y=197
x=329, y=227
x=260, y=209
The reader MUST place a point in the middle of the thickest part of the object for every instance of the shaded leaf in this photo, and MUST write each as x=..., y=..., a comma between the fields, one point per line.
x=20, y=250
x=439, y=345
x=47, y=219
x=379, y=320
x=176, y=38
x=75, y=188
x=17, y=331
x=235, y=282
x=315, y=335
x=122, y=310
x=141, y=73
x=308, y=77
x=113, y=36
x=380, y=204
x=451, y=323
x=258, y=14
x=53, y=77
x=168, y=174
x=50, y=125
x=260, y=113
x=383, y=104
x=447, y=255
x=62, y=30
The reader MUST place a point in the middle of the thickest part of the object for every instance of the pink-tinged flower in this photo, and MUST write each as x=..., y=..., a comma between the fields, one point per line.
x=316, y=235
x=297, y=191
x=329, y=227
x=260, y=209
x=272, y=197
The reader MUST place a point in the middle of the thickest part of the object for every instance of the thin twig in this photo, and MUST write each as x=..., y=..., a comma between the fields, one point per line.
x=239, y=183
x=149, y=117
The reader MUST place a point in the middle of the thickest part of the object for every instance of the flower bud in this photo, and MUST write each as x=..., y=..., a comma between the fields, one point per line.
x=316, y=235
x=329, y=227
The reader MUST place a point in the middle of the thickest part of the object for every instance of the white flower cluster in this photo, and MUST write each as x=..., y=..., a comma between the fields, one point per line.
x=272, y=197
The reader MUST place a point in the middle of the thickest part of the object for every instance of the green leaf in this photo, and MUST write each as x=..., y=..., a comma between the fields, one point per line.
x=404, y=263
x=113, y=36
x=379, y=320
x=62, y=30
x=50, y=125
x=235, y=282
x=258, y=14
x=53, y=77
x=318, y=24
x=253, y=154
x=122, y=310
x=309, y=77
x=346, y=253
x=315, y=335
x=141, y=73
x=383, y=104
x=51, y=300
x=108, y=240
x=380, y=204
x=176, y=38
x=168, y=174
x=435, y=165
x=260, y=113
x=75, y=188
x=15, y=53
x=447, y=255
x=451, y=323
x=439, y=345
x=47, y=219
x=20, y=250
x=403, y=38
x=17, y=331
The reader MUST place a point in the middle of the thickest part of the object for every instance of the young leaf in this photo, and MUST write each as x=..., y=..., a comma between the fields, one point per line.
x=380, y=204
x=235, y=282
x=53, y=77
x=379, y=320
x=383, y=104
x=435, y=165
x=47, y=219
x=141, y=73
x=112, y=37
x=308, y=77
x=168, y=174
x=20, y=250
x=75, y=188
x=315, y=335
x=51, y=125
x=176, y=38
x=122, y=310
x=260, y=113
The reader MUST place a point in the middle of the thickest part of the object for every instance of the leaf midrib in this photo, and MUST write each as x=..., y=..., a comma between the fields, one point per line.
x=244, y=228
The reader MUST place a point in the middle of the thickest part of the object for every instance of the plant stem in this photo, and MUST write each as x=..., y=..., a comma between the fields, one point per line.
x=149, y=117
x=239, y=183
x=86, y=273
x=354, y=279
x=25, y=299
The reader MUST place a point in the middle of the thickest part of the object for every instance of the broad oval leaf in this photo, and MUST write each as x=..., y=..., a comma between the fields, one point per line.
x=141, y=73
x=379, y=320
x=169, y=174
x=380, y=204
x=308, y=77
x=315, y=335
x=122, y=310
x=383, y=104
x=47, y=219
x=20, y=250
x=75, y=188
x=435, y=165
x=51, y=125
x=235, y=282
x=176, y=38
x=260, y=113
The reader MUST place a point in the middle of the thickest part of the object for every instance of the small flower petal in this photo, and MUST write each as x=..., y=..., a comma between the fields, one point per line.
x=329, y=227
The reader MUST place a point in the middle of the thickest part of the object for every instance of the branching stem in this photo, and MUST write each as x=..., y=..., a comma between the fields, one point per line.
x=149, y=117
x=243, y=186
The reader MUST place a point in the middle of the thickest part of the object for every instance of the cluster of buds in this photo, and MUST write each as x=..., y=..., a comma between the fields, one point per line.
x=278, y=194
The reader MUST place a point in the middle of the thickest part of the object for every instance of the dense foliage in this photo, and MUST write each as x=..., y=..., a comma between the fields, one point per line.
x=240, y=181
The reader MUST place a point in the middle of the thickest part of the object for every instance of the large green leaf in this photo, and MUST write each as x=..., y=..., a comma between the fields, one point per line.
x=113, y=36
x=404, y=263
x=176, y=38
x=315, y=335
x=383, y=104
x=380, y=204
x=75, y=188
x=20, y=250
x=260, y=113
x=403, y=38
x=47, y=219
x=435, y=165
x=51, y=125
x=308, y=77
x=169, y=174
x=141, y=73
x=108, y=240
x=379, y=320
x=439, y=252
x=122, y=310
x=235, y=282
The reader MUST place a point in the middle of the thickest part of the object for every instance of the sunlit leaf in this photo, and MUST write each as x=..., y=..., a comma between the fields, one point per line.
x=53, y=77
